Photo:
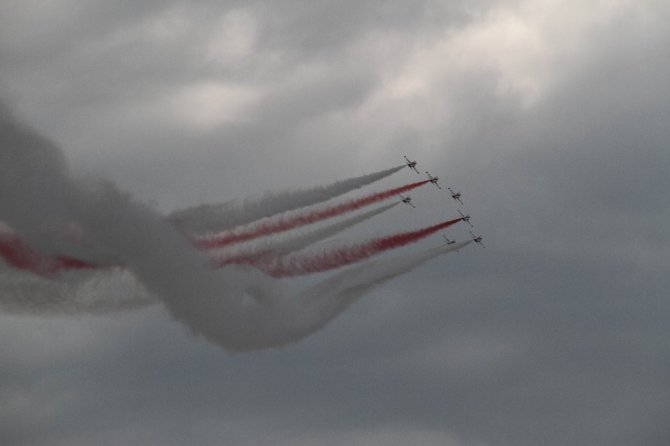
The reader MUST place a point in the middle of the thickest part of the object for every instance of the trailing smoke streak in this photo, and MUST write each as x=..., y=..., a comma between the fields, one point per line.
x=302, y=241
x=23, y=293
x=292, y=222
x=220, y=217
x=364, y=277
x=376, y=272
x=238, y=308
x=211, y=303
x=18, y=254
x=300, y=265
x=283, y=247
x=88, y=293
x=334, y=295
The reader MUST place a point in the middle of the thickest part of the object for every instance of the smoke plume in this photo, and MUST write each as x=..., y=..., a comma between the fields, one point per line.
x=274, y=226
x=221, y=216
x=275, y=248
x=283, y=266
x=44, y=209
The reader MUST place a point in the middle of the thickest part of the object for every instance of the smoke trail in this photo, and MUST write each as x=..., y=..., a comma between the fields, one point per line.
x=236, y=307
x=332, y=296
x=39, y=198
x=375, y=273
x=89, y=293
x=292, y=222
x=31, y=168
x=362, y=278
x=283, y=247
x=219, y=217
x=18, y=254
x=302, y=241
x=300, y=265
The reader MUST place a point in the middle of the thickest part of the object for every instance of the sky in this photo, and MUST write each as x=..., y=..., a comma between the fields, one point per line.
x=550, y=116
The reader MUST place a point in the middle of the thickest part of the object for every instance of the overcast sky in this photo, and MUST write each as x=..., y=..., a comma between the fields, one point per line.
x=551, y=116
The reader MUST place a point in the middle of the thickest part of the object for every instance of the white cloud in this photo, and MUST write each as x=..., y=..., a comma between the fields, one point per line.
x=209, y=103
x=199, y=106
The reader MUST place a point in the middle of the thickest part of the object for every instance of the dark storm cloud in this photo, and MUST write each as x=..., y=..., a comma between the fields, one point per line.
x=555, y=334
x=578, y=182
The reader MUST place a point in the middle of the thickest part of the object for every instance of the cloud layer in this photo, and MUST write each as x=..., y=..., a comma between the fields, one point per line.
x=550, y=116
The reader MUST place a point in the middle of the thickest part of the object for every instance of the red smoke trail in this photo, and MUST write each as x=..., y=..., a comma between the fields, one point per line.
x=241, y=259
x=298, y=265
x=21, y=256
x=280, y=225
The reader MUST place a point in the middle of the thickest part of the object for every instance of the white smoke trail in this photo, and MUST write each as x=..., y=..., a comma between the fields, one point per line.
x=296, y=265
x=302, y=241
x=284, y=223
x=97, y=292
x=327, y=299
x=31, y=168
x=279, y=247
x=237, y=308
x=220, y=217
x=377, y=272
x=240, y=310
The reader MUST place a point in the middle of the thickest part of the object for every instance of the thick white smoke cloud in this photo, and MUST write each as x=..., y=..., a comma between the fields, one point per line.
x=96, y=292
x=238, y=308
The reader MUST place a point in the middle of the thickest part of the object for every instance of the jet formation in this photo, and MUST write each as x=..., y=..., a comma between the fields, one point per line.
x=456, y=196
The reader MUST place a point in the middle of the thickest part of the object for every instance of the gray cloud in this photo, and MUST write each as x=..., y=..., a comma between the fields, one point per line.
x=555, y=334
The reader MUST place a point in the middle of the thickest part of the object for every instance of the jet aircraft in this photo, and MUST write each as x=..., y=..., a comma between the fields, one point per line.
x=449, y=242
x=407, y=200
x=477, y=239
x=455, y=195
x=465, y=218
x=433, y=180
x=411, y=164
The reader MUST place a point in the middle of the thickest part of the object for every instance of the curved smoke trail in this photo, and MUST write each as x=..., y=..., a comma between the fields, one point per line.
x=239, y=308
x=307, y=264
x=19, y=255
x=295, y=221
x=336, y=294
